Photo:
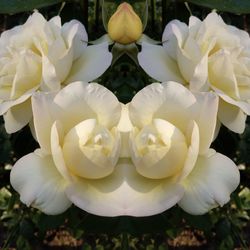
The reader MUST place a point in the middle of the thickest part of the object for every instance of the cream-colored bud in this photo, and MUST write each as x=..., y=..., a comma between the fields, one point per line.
x=125, y=25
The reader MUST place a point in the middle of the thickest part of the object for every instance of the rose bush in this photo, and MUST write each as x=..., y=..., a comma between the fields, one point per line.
x=43, y=56
x=206, y=55
x=170, y=149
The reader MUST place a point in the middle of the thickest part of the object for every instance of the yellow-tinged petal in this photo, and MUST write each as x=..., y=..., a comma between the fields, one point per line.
x=90, y=150
x=124, y=192
x=158, y=150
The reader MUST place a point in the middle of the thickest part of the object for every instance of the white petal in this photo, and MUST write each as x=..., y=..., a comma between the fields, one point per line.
x=75, y=32
x=169, y=101
x=210, y=184
x=80, y=101
x=177, y=29
x=39, y=184
x=193, y=139
x=18, y=116
x=199, y=79
x=27, y=75
x=186, y=64
x=44, y=115
x=4, y=106
x=62, y=60
x=124, y=193
x=155, y=60
x=232, y=117
x=74, y=103
x=56, y=141
x=243, y=105
x=226, y=82
x=50, y=80
x=92, y=63
x=207, y=108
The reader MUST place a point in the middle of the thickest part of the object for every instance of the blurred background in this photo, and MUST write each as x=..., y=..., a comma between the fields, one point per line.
x=221, y=229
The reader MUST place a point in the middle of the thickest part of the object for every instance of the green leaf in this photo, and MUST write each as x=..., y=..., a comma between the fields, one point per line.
x=232, y=6
x=15, y=6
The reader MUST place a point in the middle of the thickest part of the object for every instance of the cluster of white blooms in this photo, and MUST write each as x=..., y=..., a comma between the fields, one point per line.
x=112, y=159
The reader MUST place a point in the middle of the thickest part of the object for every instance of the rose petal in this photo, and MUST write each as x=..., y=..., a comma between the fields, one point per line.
x=74, y=32
x=124, y=193
x=206, y=110
x=155, y=60
x=232, y=117
x=18, y=116
x=76, y=102
x=94, y=61
x=39, y=184
x=169, y=101
x=210, y=184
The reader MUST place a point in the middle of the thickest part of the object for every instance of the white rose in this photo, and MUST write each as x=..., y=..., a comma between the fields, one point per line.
x=206, y=55
x=44, y=55
x=79, y=149
x=170, y=150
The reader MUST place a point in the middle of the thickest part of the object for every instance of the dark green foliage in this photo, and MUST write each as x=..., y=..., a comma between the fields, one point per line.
x=15, y=6
x=232, y=6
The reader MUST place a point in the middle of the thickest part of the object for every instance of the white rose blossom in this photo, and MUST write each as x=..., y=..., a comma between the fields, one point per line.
x=82, y=131
x=170, y=149
x=44, y=56
x=79, y=149
x=206, y=55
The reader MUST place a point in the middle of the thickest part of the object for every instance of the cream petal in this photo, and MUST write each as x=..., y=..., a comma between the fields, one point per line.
x=18, y=116
x=74, y=103
x=87, y=158
x=28, y=74
x=210, y=184
x=39, y=184
x=168, y=101
x=199, y=79
x=194, y=25
x=155, y=60
x=193, y=140
x=5, y=106
x=50, y=81
x=92, y=63
x=177, y=29
x=158, y=150
x=80, y=101
x=76, y=36
x=44, y=115
x=226, y=82
x=245, y=91
x=186, y=64
x=124, y=192
x=206, y=110
x=62, y=59
x=232, y=117
x=244, y=106
x=56, y=141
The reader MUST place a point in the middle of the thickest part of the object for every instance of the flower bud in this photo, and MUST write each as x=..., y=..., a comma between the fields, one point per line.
x=125, y=26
